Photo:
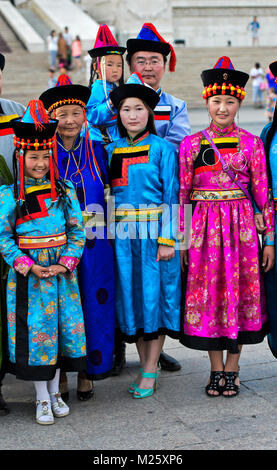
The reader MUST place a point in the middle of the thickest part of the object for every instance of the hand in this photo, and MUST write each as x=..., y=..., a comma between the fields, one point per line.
x=268, y=258
x=184, y=259
x=40, y=271
x=56, y=269
x=165, y=253
x=259, y=222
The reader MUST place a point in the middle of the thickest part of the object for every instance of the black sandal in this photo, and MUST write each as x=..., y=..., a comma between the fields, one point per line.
x=214, y=386
x=230, y=385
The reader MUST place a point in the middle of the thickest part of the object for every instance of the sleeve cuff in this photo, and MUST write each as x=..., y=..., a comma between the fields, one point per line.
x=23, y=264
x=166, y=241
x=269, y=239
x=69, y=262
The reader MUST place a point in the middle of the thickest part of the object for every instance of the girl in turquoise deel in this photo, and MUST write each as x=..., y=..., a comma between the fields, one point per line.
x=42, y=239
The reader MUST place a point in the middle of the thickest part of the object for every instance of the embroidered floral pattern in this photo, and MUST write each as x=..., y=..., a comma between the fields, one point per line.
x=23, y=265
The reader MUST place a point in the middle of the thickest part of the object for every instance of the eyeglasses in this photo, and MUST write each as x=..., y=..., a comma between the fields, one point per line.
x=152, y=62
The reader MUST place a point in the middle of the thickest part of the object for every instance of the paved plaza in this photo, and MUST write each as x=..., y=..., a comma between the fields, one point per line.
x=179, y=416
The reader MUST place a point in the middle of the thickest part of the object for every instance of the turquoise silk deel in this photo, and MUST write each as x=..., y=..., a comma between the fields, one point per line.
x=44, y=316
x=144, y=179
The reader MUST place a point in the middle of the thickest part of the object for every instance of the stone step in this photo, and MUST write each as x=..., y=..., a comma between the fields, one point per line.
x=26, y=75
x=22, y=28
x=35, y=21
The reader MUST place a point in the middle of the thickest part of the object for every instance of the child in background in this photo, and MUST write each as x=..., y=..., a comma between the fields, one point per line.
x=106, y=75
x=270, y=103
x=42, y=239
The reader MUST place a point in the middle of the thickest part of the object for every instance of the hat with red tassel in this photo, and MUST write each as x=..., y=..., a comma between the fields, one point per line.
x=223, y=79
x=150, y=40
x=63, y=93
x=105, y=43
x=35, y=131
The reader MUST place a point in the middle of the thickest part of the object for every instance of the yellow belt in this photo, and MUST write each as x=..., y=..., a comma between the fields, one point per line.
x=214, y=195
x=93, y=219
x=137, y=215
x=31, y=243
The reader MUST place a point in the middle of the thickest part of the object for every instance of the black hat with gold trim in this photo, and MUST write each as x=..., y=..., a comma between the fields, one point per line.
x=65, y=93
x=223, y=79
x=135, y=88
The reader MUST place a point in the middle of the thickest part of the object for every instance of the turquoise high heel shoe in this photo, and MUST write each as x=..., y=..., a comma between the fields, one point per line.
x=146, y=392
x=133, y=385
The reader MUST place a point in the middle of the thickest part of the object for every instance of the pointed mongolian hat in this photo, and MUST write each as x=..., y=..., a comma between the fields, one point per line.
x=35, y=131
x=223, y=79
x=105, y=43
x=63, y=93
x=150, y=40
x=135, y=88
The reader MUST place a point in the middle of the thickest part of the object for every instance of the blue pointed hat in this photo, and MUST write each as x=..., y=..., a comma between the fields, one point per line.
x=150, y=40
x=135, y=88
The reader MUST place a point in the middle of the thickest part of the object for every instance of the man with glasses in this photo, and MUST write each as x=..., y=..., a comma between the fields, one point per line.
x=147, y=55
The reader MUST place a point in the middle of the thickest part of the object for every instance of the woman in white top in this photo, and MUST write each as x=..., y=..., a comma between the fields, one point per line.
x=257, y=75
x=52, y=45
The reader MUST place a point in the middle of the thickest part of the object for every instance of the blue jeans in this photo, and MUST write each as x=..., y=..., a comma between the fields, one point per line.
x=257, y=94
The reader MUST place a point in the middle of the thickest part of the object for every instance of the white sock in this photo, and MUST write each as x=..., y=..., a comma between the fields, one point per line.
x=53, y=385
x=42, y=393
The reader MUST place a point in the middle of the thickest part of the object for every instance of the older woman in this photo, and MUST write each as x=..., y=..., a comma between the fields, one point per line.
x=84, y=163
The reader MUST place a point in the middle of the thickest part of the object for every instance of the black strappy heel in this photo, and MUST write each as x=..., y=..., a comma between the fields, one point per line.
x=230, y=385
x=214, y=385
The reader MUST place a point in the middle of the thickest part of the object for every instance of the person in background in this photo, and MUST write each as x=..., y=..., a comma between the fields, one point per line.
x=62, y=49
x=52, y=45
x=68, y=38
x=257, y=75
x=52, y=80
x=77, y=53
x=254, y=27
